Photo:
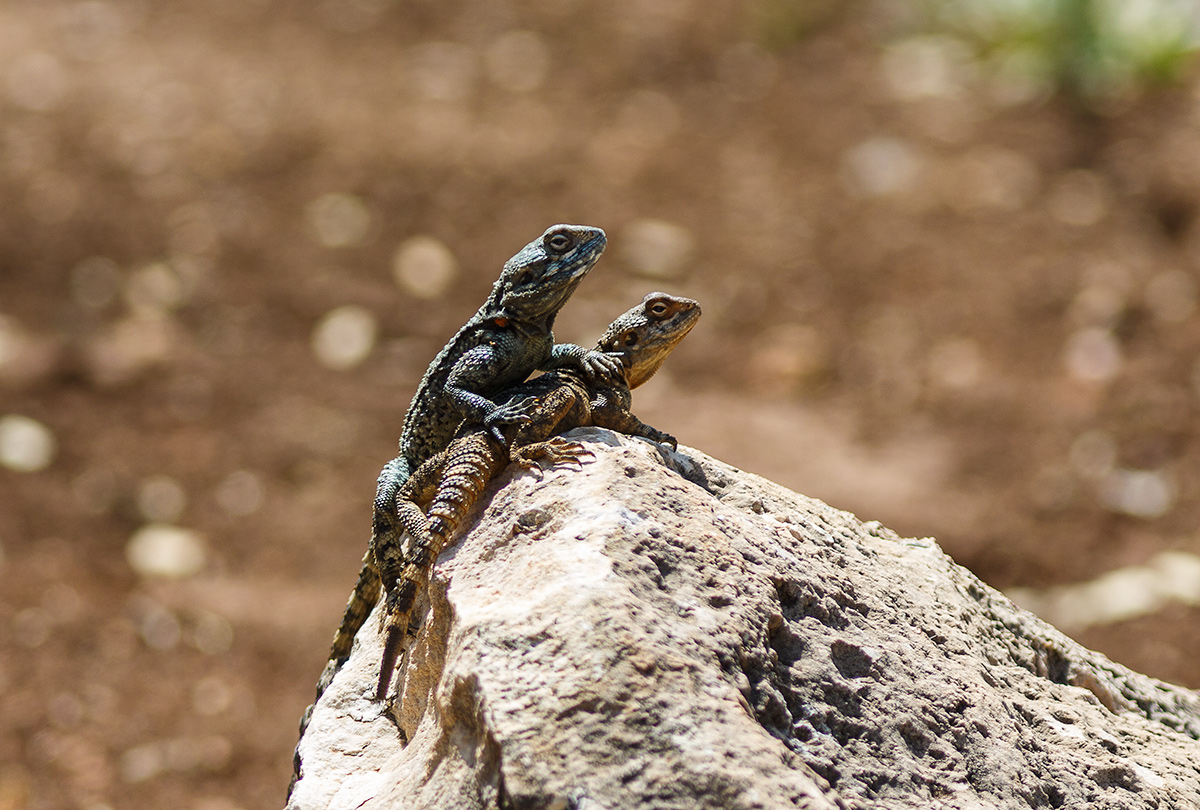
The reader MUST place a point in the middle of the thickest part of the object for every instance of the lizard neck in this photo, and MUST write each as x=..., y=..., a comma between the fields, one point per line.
x=494, y=313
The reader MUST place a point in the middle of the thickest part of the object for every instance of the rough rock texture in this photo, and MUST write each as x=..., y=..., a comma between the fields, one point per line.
x=664, y=631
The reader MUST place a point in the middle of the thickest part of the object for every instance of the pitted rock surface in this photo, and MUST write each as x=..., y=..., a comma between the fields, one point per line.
x=661, y=630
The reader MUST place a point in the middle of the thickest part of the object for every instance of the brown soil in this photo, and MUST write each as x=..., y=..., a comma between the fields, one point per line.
x=885, y=325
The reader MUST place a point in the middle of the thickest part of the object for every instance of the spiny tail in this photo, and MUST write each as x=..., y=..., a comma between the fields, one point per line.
x=474, y=460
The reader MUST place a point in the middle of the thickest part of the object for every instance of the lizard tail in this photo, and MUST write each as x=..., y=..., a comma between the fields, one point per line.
x=472, y=464
x=358, y=607
x=474, y=461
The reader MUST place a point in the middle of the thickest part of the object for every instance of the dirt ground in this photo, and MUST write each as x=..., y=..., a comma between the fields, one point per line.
x=235, y=232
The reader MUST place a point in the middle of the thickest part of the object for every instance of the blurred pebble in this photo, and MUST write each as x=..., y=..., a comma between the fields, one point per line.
x=189, y=397
x=37, y=81
x=1119, y=595
x=180, y=754
x=212, y=634
x=1093, y=454
x=95, y=282
x=991, y=177
x=91, y=27
x=1180, y=575
x=648, y=118
x=656, y=249
x=161, y=499
x=26, y=445
x=955, y=363
x=927, y=66
x=15, y=788
x=240, y=493
x=353, y=15
x=339, y=220
x=211, y=696
x=1097, y=305
x=62, y=602
x=317, y=427
x=129, y=347
x=65, y=710
x=880, y=166
x=166, y=551
x=142, y=762
x=95, y=490
x=790, y=354
x=154, y=289
x=1020, y=76
x=746, y=70
x=1093, y=355
x=517, y=61
x=1144, y=494
x=215, y=803
x=159, y=628
x=443, y=71
x=25, y=357
x=52, y=197
x=10, y=341
x=100, y=701
x=1171, y=296
x=193, y=230
x=1052, y=489
x=344, y=337
x=31, y=627
x=1079, y=197
x=424, y=267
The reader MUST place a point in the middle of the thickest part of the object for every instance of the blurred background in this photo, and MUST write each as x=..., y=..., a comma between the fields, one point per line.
x=948, y=256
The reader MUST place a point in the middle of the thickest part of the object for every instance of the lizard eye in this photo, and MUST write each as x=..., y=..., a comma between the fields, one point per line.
x=560, y=242
x=659, y=309
x=629, y=339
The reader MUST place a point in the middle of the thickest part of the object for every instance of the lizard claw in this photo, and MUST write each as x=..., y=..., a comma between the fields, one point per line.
x=552, y=452
x=512, y=413
x=601, y=364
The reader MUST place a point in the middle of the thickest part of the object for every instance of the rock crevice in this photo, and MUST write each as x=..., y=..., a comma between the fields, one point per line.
x=661, y=630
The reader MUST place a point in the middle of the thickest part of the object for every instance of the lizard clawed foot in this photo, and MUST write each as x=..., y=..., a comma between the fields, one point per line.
x=602, y=364
x=512, y=413
x=540, y=456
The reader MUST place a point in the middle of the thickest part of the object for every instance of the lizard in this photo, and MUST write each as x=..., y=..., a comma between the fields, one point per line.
x=452, y=480
x=499, y=346
x=505, y=341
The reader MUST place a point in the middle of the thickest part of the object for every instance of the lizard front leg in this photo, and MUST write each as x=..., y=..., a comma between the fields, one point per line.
x=487, y=362
x=597, y=365
x=623, y=421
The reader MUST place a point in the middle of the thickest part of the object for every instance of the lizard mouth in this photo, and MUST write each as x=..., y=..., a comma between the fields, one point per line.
x=641, y=365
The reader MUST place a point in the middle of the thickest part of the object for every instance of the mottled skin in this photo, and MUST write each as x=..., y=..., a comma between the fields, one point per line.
x=503, y=343
x=451, y=481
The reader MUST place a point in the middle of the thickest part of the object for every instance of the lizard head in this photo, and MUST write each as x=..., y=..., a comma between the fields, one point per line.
x=541, y=277
x=646, y=334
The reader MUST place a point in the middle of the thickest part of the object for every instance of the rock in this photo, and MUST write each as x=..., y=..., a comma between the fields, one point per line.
x=661, y=630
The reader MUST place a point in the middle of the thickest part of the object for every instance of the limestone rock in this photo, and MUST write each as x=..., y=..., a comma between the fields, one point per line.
x=661, y=630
